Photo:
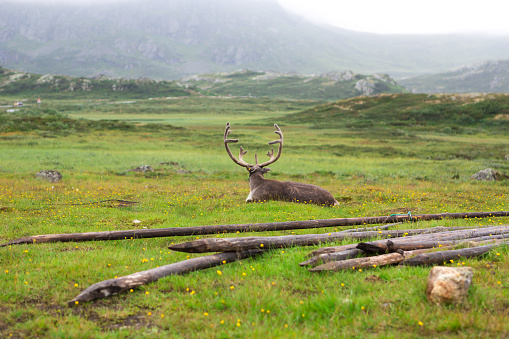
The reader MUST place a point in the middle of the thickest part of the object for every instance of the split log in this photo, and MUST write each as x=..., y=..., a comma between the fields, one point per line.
x=239, y=244
x=263, y=227
x=335, y=256
x=441, y=257
x=110, y=287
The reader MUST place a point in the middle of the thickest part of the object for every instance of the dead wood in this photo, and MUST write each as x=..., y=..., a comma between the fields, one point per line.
x=110, y=287
x=359, y=263
x=370, y=262
x=433, y=230
x=444, y=257
x=239, y=244
x=435, y=240
x=263, y=227
x=335, y=256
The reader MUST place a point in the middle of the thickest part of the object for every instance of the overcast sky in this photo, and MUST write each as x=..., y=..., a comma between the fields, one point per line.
x=408, y=16
x=392, y=16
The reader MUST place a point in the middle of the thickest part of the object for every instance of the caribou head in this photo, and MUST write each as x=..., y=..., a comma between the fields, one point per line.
x=266, y=189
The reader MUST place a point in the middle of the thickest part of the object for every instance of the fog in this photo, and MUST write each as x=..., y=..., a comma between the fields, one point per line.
x=384, y=17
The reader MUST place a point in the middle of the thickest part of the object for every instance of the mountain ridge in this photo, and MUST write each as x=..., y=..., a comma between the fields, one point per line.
x=171, y=39
x=488, y=76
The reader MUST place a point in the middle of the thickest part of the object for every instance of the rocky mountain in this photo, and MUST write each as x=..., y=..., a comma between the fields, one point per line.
x=169, y=39
x=487, y=77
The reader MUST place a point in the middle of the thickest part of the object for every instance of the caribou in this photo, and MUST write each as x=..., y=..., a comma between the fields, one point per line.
x=262, y=189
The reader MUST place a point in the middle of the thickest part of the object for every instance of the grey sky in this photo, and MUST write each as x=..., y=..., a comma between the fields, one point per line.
x=391, y=16
x=408, y=16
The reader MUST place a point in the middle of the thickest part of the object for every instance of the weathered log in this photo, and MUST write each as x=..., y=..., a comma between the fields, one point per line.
x=239, y=244
x=441, y=257
x=370, y=262
x=435, y=240
x=433, y=230
x=359, y=263
x=335, y=256
x=110, y=287
x=375, y=228
x=262, y=227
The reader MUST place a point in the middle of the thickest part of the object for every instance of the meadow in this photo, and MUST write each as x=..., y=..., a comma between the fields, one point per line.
x=372, y=170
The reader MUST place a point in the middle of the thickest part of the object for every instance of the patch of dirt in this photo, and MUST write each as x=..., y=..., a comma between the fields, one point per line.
x=374, y=279
x=131, y=321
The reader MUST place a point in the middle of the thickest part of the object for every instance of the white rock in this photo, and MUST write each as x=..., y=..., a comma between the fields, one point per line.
x=448, y=285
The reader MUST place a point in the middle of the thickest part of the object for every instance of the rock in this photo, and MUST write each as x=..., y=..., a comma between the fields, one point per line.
x=448, y=285
x=365, y=86
x=143, y=169
x=50, y=175
x=489, y=174
x=506, y=157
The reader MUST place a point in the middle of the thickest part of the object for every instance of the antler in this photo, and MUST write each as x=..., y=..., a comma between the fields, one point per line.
x=270, y=153
x=238, y=161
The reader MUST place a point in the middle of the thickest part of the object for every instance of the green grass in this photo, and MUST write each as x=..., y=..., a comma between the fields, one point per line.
x=370, y=171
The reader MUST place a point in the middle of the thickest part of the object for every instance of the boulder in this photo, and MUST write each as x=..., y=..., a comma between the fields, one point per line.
x=489, y=174
x=448, y=285
x=50, y=175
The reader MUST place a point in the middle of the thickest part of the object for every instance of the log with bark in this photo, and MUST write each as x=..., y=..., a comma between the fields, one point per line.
x=262, y=227
x=238, y=244
x=110, y=287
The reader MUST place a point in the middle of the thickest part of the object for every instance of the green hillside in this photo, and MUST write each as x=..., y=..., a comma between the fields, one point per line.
x=327, y=86
x=244, y=83
x=448, y=113
x=23, y=84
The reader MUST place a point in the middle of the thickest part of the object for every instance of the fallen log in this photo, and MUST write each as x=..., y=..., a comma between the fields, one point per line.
x=370, y=262
x=376, y=228
x=359, y=263
x=239, y=244
x=444, y=257
x=435, y=240
x=115, y=286
x=335, y=256
x=435, y=230
x=262, y=227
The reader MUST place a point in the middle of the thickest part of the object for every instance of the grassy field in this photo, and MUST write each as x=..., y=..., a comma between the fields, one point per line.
x=374, y=170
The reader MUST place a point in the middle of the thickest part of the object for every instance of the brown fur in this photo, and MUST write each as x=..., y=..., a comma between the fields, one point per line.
x=263, y=189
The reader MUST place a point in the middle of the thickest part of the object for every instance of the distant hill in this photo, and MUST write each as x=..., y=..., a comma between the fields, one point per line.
x=243, y=83
x=327, y=86
x=486, y=77
x=163, y=39
x=23, y=84
x=449, y=113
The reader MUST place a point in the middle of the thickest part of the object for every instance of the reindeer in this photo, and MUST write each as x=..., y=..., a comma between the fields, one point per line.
x=265, y=189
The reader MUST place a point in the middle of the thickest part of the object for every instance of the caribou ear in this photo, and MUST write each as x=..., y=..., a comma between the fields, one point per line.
x=265, y=170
